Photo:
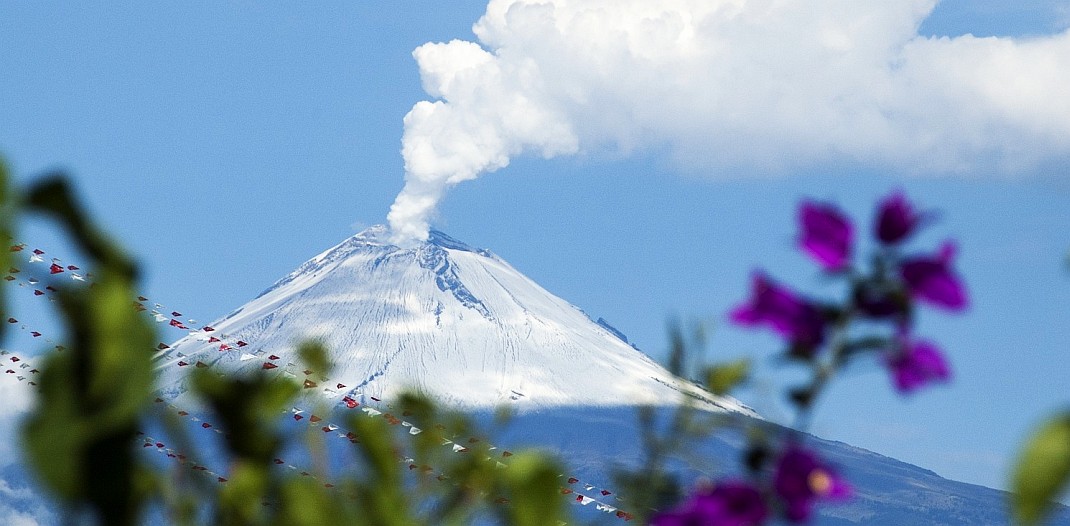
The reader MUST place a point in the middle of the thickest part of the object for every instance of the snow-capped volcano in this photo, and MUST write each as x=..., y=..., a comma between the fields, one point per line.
x=452, y=321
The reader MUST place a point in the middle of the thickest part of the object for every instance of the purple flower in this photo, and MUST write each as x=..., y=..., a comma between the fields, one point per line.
x=728, y=503
x=918, y=363
x=896, y=219
x=826, y=235
x=801, y=322
x=930, y=278
x=801, y=479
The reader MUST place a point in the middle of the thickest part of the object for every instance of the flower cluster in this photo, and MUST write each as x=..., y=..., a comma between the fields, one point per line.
x=888, y=292
x=824, y=335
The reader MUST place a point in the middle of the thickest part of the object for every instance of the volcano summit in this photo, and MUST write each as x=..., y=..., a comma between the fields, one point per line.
x=454, y=322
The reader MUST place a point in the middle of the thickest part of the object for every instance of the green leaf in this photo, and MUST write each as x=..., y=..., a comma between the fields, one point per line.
x=533, y=481
x=53, y=195
x=722, y=378
x=1042, y=471
x=7, y=228
x=314, y=355
x=240, y=499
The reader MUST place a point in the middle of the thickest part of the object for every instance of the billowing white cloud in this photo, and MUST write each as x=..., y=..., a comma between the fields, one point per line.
x=17, y=518
x=729, y=87
x=17, y=400
x=20, y=505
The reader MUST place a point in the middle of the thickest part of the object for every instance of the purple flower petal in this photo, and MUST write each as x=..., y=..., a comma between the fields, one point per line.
x=801, y=479
x=931, y=279
x=801, y=322
x=730, y=503
x=826, y=235
x=918, y=363
x=896, y=219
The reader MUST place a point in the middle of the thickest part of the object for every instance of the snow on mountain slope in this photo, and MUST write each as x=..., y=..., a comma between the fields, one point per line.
x=452, y=321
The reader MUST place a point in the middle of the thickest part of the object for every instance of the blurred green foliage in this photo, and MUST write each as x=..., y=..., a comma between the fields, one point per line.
x=1042, y=471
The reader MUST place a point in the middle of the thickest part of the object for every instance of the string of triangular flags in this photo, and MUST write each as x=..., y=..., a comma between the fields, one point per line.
x=158, y=445
x=349, y=400
x=327, y=427
x=147, y=442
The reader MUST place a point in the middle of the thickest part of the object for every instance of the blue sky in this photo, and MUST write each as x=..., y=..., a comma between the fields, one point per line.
x=226, y=144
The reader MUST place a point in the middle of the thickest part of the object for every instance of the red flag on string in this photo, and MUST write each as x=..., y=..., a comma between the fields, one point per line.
x=207, y=329
x=269, y=365
x=176, y=323
x=350, y=403
x=17, y=248
x=35, y=334
x=340, y=386
x=273, y=357
x=206, y=425
x=213, y=339
x=241, y=343
x=142, y=298
x=38, y=292
x=298, y=417
x=72, y=267
x=309, y=384
x=182, y=364
x=55, y=269
x=38, y=251
x=176, y=314
x=163, y=346
x=314, y=419
x=224, y=347
x=573, y=480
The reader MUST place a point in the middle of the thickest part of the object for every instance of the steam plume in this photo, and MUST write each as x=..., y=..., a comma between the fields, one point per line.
x=728, y=85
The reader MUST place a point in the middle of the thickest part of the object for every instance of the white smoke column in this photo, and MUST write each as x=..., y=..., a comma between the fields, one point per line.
x=729, y=87
x=492, y=109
